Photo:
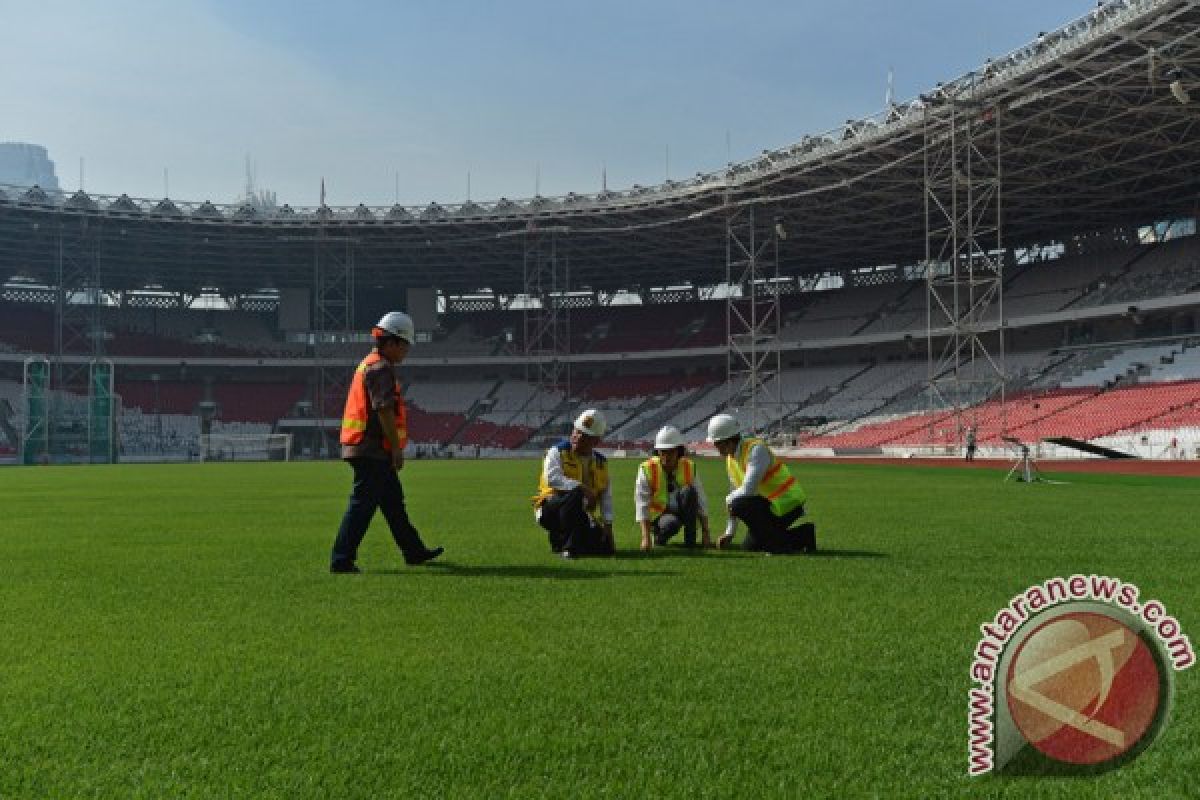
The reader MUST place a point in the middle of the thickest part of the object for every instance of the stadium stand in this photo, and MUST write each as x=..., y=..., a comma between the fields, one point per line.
x=838, y=312
x=1159, y=270
x=1081, y=413
x=1122, y=365
x=457, y=397
x=1183, y=366
x=1052, y=285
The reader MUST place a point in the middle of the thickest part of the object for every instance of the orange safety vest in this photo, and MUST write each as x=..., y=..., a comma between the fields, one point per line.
x=653, y=470
x=777, y=486
x=358, y=408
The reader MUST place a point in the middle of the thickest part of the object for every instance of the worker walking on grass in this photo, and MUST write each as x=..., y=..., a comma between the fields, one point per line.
x=574, y=499
x=765, y=496
x=668, y=495
x=373, y=437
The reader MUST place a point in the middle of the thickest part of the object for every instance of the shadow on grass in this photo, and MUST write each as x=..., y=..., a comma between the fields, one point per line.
x=662, y=551
x=832, y=553
x=669, y=551
x=561, y=572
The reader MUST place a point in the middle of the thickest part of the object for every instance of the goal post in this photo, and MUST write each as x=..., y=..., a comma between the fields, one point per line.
x=245, y=447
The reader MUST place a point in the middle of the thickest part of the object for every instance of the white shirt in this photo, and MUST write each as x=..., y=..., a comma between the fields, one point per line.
x=555, y=479
x=642, y=497
x=757, y=464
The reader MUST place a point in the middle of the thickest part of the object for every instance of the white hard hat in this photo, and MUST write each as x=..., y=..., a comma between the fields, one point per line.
x=669, y=438
x=397, y=323
x=723, y=426
x=591, y=422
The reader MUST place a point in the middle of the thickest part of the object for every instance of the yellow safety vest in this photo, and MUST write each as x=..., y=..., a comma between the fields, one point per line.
x=652, y=468
x=573, y=468
x=777, y=485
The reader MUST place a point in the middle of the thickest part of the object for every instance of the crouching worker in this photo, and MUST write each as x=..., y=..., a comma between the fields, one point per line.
x=574, y=499
x=668, y=495
x=765, y=496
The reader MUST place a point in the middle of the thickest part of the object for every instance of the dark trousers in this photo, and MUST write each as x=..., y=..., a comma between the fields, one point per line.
x=376, y=485
x=771, y=533
x=569, y=527
x=683, y=507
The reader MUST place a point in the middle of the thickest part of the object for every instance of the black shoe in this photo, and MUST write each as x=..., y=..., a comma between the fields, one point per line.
x=427, y=555
x=808, y=537
x=344, y=569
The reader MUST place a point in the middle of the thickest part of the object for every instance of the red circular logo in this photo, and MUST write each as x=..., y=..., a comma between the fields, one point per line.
x=1084, y=688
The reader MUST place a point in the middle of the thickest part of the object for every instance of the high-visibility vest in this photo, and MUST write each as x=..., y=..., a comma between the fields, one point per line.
x=777, y=485
x=358, y=408
x=572, y=466
x=652, y=468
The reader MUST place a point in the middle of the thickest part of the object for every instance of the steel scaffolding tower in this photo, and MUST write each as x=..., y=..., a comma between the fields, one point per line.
x=964, y=259
x=59, y=424
x=752, y=319
x=333, y=318
x=77, y=330
x=546, y=318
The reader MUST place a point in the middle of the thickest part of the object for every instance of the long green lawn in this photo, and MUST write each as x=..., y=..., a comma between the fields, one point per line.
x=172, y=631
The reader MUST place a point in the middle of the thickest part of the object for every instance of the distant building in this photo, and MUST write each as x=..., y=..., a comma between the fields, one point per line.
x=258, y=199
x=26, y=165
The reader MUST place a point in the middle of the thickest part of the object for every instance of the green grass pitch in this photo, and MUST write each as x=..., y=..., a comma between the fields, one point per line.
x=172, y=631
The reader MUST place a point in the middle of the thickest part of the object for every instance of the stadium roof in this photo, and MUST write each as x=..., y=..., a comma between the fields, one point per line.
x=1096, y=131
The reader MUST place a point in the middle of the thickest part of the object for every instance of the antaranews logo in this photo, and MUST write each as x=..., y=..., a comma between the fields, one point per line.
x=1074, y=675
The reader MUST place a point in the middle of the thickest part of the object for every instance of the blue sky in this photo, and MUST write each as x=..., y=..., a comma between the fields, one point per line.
x=360, y=92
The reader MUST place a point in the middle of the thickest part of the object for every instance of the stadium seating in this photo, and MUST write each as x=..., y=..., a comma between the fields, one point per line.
x=482, y=433
x=1121, y=364
x=1158, y=270
x=165, y=397
x=1081, y=413
x=257, y=401
x=456, y=397
x=432, y=427
x=1183, y=366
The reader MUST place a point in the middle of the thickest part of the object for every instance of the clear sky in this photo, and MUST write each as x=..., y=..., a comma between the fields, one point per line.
x=360, y=92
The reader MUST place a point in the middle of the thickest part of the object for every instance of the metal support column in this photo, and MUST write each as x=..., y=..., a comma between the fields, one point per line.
x=35, y=436
x=77, y=334
x=103, y=413
x=753, y=319
x=546, y=318
x=964, y=262
x=78, y=343
x=333, y=325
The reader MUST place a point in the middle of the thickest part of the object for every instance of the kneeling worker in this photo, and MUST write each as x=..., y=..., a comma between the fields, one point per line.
x=765, y=496
x=574, y=499
x=669, y=495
